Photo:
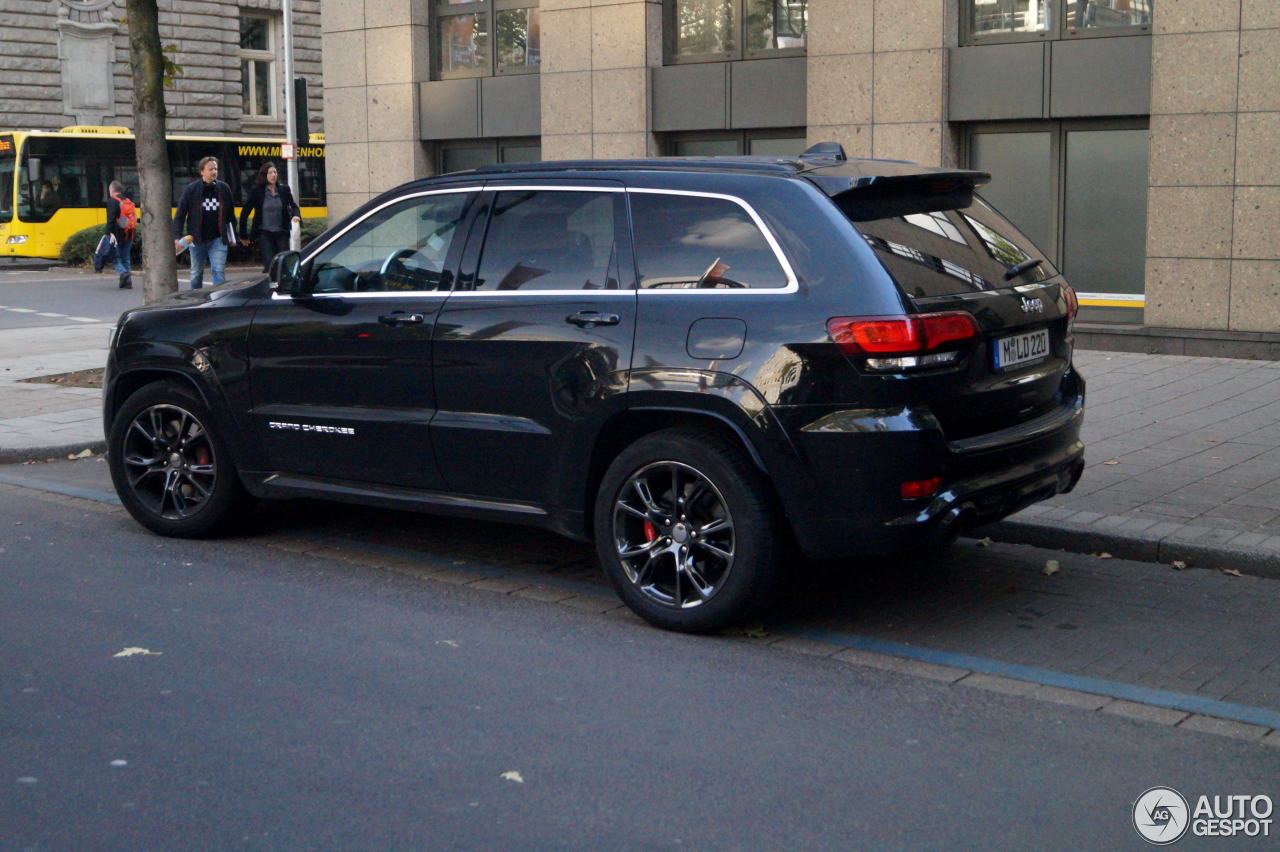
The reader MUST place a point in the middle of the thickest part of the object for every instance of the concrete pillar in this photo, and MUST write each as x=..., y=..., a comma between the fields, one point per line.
x=877, y=77
x=596, y=57
x=375, y=53
x=1212, y=258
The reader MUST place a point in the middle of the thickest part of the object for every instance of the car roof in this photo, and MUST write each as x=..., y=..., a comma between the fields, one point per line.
x=824, y=164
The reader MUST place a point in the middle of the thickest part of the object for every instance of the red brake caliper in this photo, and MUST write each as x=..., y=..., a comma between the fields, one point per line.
x=650, y=531
x=202, y=455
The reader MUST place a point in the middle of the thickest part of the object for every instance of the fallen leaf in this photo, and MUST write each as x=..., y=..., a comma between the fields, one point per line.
x=1111, y=461
x=83, y=454
x=1104, y=555
x=984, y=542
x=512, y=775
x=1178, y=565
x=136, y=652
x=1051, y=567
x=1232, y=571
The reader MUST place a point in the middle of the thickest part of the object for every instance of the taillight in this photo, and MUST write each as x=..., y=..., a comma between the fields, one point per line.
x=917, y=489
x=1073, y=303
x=892, y=341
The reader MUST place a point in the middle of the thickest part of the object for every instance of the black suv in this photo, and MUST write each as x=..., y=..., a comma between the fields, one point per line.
x=690, y=361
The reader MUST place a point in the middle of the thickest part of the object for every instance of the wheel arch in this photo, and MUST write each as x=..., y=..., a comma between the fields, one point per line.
x=637, y=421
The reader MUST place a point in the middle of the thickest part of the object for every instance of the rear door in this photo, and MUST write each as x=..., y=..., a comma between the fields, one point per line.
x=972, y=259
x=533, y=347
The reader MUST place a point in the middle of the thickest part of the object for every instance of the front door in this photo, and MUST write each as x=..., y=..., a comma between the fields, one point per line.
x=341, y=375
x=533, y=347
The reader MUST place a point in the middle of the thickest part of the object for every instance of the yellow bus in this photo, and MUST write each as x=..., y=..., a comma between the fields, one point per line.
x=54, y=183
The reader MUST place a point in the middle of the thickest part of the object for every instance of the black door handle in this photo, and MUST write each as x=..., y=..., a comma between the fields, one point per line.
x=401, y=318
x=590, y=319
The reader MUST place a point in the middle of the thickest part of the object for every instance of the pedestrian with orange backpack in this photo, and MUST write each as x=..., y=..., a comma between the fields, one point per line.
x=122, y=226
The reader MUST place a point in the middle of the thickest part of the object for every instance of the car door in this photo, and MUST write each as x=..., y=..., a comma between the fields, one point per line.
x=533, y=347
x=341, y=374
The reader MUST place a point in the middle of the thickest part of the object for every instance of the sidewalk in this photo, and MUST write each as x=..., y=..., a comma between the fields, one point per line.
x=1183, y=453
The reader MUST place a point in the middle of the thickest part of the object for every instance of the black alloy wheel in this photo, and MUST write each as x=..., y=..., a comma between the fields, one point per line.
x=686, y=530
x=170, y=467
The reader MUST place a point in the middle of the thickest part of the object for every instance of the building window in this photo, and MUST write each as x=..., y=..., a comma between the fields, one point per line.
x=1078, y=189
x=258, y=66
x=783, y=142
x=1019, y=20
x=481, y=39
x=474, y=153
x=718, y=30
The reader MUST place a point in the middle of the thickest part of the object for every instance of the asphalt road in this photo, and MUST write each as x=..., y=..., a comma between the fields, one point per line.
x=61, y=296
x=291, y=700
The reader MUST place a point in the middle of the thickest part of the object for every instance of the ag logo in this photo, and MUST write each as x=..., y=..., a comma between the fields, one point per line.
x=1161, y=816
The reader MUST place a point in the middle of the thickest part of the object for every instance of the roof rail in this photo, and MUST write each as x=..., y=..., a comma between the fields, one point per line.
x=825, y=151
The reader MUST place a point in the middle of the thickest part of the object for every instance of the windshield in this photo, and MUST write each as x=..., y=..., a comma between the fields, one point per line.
x=957, y=249
x=8, y=161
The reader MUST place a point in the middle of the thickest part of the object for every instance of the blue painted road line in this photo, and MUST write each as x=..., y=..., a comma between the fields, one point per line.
x=1048, y=677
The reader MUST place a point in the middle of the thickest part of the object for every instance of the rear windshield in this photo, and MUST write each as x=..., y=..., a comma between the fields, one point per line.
x=958, y=249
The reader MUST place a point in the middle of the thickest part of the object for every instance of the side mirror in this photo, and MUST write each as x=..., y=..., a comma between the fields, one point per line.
x=286, y=272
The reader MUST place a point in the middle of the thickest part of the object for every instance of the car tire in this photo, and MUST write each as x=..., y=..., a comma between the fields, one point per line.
x=171, y=467
x=663, y=546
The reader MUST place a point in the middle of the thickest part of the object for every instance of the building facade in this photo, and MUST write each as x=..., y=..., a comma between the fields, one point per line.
x=66, y=62
x=1136, y=141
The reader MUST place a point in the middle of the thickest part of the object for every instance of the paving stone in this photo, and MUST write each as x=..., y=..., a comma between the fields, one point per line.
x=1070, y=697
x=995, y=683
x=904, y=665
x=1223, y=727
x=1145, y=712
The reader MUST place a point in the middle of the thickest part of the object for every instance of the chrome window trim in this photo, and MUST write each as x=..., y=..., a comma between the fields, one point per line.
x=793, y=285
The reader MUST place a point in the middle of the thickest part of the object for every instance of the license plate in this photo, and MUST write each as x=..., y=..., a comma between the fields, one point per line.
x=1021, y=348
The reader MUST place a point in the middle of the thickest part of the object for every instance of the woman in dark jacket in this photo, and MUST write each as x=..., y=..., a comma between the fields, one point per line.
x=273, y=210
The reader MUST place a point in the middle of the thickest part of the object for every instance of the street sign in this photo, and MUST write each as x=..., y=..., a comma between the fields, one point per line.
x=287, y=150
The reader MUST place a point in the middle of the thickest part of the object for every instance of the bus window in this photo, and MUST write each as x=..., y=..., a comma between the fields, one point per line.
x=8, y=166
x=53, y=175
x=311, y=180
x=181, y=167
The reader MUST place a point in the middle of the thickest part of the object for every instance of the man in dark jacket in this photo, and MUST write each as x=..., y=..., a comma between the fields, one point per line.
x=205, y=223
x=118, y=229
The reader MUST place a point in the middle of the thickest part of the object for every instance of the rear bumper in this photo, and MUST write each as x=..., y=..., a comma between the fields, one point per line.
x=858, y=459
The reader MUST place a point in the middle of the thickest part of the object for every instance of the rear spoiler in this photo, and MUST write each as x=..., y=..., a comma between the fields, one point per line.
x=913, y=189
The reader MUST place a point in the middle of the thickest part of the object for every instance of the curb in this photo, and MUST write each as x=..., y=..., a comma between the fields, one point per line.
x=60, y=452
x=1199, y=547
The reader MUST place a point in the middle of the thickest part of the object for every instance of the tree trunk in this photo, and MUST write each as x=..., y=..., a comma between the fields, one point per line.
x=147, y=60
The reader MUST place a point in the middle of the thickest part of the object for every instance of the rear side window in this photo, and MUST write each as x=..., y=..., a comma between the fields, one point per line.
x=951, y=251
x=686, y=242
x=551, y=240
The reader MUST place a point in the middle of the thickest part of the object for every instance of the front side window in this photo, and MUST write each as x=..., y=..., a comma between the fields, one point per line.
x=734, y=29
x=53, y=174
x=401, y=247
x=685, y=242
x=8, y=166
x=480, y=38
x=546, y=240
x=257, y=66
